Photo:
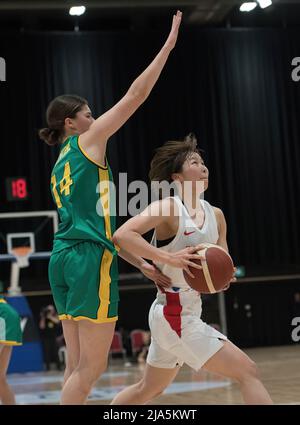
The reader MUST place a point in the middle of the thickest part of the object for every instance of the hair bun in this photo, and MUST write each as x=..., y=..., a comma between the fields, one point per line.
x=49, y=135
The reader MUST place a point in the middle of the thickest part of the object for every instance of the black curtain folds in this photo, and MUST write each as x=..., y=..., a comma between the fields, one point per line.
x=232, y=88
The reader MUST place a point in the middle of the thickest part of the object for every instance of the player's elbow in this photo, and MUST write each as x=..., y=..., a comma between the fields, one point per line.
x=115, y=238
x=138, y=95
x=118, y=237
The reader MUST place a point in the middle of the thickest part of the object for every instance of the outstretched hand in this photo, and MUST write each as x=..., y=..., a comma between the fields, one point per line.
x=171, y=40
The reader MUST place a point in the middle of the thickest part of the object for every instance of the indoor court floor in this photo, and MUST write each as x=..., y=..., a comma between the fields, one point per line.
x=279, y=368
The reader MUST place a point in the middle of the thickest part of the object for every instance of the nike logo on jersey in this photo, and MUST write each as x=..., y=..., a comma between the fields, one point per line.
x=188, y=233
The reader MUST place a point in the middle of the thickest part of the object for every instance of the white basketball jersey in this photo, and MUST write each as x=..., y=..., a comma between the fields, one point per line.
x=188, y=234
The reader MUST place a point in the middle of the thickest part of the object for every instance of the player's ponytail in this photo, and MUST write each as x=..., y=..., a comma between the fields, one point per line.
x=60, y=108
x=50, y=136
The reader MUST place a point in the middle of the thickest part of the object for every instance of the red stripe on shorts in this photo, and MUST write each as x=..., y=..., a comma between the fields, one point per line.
x=172, y=311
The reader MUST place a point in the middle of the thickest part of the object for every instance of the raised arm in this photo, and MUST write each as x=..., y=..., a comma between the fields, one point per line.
x=94, y=140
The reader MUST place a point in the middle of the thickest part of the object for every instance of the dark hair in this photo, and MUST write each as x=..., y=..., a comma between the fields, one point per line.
x=60, y=108
x=170, y=157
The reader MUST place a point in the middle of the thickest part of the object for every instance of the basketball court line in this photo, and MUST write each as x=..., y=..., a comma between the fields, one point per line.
x=32, y=379
x=108, y=393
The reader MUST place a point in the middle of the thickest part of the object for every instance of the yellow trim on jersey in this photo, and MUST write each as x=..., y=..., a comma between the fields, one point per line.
x=104, y=285
x=3, y=301
x=103, y=167
x=10, y=342
x=105, y=200
x=77, y=318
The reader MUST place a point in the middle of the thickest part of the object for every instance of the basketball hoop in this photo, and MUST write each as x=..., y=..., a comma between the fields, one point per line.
x=21, y=254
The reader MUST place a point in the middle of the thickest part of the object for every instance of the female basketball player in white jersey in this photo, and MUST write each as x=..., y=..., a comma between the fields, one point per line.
x=178, y=333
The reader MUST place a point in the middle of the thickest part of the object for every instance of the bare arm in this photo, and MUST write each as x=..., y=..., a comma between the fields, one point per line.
x=222, y=228
x=134, y=260
x=149, y=270
x=129, y=237
x=94, y=140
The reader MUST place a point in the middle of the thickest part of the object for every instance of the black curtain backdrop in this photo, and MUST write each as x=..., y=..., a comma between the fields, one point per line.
x=232, y=88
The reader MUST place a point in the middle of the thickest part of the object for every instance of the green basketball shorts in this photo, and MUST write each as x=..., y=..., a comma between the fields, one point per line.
x=10, y=325
x=84, y=283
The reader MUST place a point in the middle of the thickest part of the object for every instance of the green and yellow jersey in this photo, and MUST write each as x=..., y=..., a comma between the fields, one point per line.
x=84, y=197
x=10, y=324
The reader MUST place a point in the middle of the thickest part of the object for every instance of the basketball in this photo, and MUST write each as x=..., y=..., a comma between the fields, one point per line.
x=217, y=270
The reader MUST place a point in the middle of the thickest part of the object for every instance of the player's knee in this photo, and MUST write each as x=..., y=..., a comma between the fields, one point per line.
x=85, y=384
x=72, y=362
x=86, y=380
x=100, y=368
x=89, y=374
x=248, y=371
x=70, y=366
x=68, y=372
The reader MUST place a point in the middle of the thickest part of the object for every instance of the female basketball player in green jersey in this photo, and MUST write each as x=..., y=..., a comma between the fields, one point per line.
x=10, y=336
x=83, y=268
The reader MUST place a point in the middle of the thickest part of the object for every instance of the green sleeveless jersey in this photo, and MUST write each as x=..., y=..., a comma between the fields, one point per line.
x=85, y=199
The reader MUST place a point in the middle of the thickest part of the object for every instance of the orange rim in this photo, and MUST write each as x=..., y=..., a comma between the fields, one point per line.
x=21, y=251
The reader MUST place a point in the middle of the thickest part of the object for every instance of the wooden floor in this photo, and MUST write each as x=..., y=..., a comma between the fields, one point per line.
x=279, y=367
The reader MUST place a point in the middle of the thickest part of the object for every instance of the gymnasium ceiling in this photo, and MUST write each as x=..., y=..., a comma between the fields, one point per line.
x=49, y=14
